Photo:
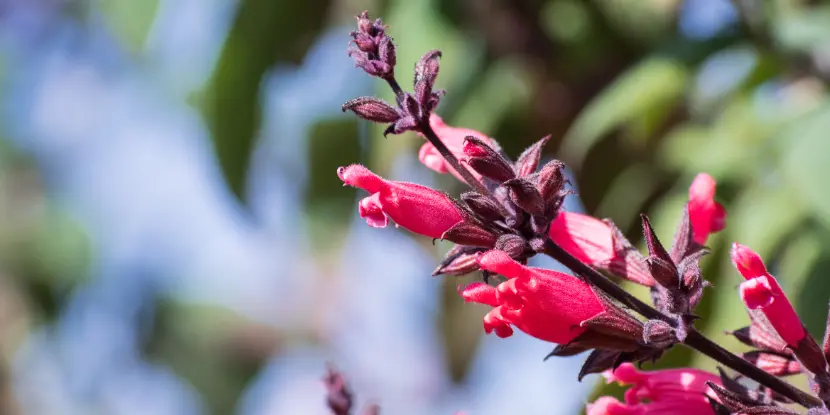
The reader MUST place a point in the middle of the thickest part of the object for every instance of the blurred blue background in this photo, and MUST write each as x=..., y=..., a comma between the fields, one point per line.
x=175, y=239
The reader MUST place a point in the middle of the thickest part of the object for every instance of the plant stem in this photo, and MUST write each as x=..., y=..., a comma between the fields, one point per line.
x=426, y=131
x=694, y=339
x=393, y=83
x=430, y=135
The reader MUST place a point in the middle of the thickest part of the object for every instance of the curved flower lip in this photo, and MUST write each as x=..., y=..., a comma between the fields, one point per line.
x=546, y=304
x=757, y=292
x=706, y=215
x=748, y=263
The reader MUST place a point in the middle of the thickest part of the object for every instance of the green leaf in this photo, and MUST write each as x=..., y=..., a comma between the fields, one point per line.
x=732, y=146
x=129, y=20
x=651, y=85
x=802, y=29
x=328, y=204
x=264, y=32
x=805, y=164
x=627, y=194
x=217, y=350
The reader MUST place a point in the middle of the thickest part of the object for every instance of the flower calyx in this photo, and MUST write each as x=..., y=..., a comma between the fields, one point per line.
x=615, y=337
x=678, y=284
x=733, y=397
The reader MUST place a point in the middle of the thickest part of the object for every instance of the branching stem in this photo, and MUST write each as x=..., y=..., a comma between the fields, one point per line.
x=694, y=339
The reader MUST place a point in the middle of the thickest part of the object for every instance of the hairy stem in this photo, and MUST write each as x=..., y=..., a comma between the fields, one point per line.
x=430, y=135
x=694, y=339
x=393, y=83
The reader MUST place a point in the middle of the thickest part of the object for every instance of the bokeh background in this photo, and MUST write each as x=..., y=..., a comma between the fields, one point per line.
x=174, y=239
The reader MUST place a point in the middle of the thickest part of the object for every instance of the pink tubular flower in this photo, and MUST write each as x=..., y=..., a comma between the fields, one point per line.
x=591, y=241
x=707, y=216
x=606, y=405
x=453, y=138
x=587, y=238
x=761, y=291
x=545, y=304
x=669, y=391
x=418, y=208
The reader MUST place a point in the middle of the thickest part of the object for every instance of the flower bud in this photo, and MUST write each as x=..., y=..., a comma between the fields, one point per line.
x=372, y=109
x=486, y=161
x=453, y=138
x=761, y=291
x=529, y=159
x=418, y=208
x=524, y=194
x=707, y=216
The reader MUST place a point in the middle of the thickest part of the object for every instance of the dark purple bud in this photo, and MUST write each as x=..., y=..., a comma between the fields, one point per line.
x=433, y=101
x=426, y=71
x=464, y=233
x=486, y=161
x=372, y=109
x=338, y=395
x=524, y=194
x=773, y=363
x=513, y=244
x=376, y=68
x=684, y=244
x=404, y=124
x=409, y=105
x=483, y=206
x=663, y=272
x=364, y=42
x=364, y=23
x=386, y=52
x=658, y=333
x=529, y=160
x=655, y=248
x=551, y=180
x=460, y=260
x=369, y=27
